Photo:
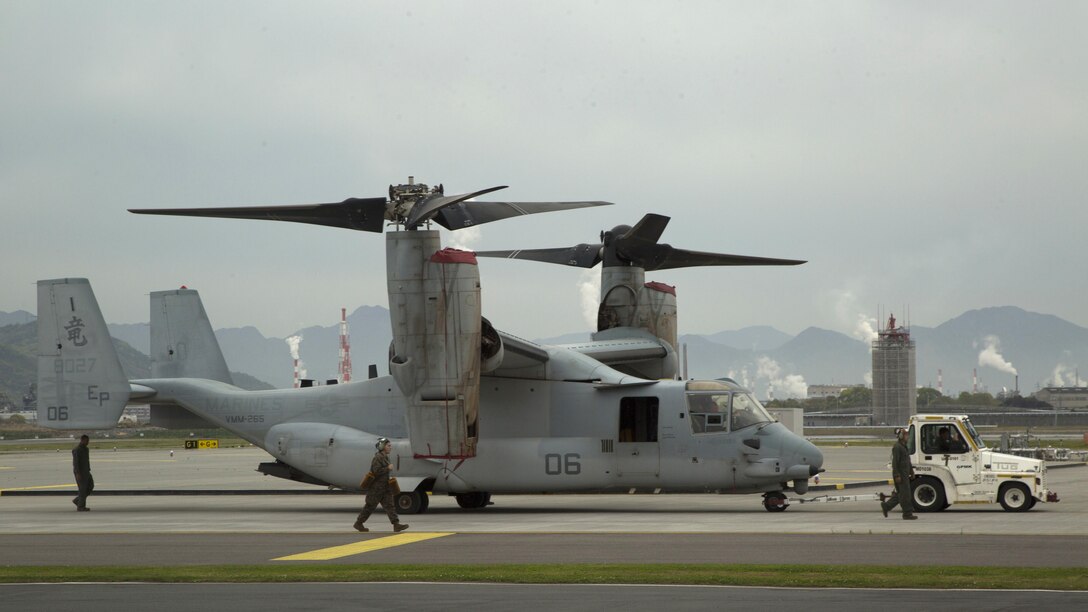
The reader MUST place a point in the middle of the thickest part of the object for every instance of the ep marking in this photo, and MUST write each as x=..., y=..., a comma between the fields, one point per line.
x=336, y=552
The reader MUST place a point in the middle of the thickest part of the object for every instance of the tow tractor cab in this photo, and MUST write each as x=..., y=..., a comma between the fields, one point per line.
x=954, y=466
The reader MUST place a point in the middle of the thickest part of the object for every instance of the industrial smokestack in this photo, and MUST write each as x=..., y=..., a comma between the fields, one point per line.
x=344, y=375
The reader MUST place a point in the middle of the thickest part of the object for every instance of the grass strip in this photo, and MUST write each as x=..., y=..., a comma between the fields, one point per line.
x=807, y=576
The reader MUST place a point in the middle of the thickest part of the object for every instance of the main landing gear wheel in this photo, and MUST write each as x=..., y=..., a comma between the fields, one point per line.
x=411, y=502
x=1015, y=497
x=928, y=495
x=477, y=499
x=775, y=502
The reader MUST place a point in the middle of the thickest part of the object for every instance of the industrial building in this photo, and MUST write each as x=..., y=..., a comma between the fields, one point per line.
x=895, y=395
x=1064, y=398
x=822, y=391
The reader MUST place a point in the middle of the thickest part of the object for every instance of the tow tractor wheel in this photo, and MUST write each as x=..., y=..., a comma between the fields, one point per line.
x=411, y=502
x=1015, y=497
x=775, y=502
x=928, y=494
x=478, y=499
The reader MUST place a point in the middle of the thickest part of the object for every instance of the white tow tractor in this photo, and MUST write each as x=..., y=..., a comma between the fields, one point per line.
x=953, y=466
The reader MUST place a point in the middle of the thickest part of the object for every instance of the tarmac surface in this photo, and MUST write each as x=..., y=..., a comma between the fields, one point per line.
x=281, y=522
x=414, y=597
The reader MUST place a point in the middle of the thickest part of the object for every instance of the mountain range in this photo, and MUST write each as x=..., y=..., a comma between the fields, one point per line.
x=998, y=343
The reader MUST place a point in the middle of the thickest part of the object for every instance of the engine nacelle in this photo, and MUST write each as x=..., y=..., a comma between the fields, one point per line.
x=434, y=304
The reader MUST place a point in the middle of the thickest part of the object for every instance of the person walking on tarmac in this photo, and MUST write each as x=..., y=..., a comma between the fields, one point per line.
x=81, y=467
x=379, y=490
x=902, y=473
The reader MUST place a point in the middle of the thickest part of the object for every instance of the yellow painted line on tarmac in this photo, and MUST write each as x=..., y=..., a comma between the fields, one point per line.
x=357, y=548
x=64, y=486
x=97, y=460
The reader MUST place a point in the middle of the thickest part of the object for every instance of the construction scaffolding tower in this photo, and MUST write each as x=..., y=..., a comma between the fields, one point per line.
x=895, y=397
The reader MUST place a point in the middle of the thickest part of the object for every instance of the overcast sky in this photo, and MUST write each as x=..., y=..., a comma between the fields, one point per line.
x=932, y=155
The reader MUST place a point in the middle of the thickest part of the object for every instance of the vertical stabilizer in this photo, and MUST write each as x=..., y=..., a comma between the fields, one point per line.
x=183, y=344
x=80, y=381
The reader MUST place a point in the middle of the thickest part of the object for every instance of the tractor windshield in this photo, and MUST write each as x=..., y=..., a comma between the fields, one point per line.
x=977, y=439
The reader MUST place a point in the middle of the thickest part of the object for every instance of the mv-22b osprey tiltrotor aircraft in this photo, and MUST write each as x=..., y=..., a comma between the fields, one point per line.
x=471, y=410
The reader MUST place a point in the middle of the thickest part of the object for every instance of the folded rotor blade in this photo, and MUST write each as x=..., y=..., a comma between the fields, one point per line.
x=647, y=231
x=467, y=214
x=362, y=214
x=432, y=205
x=580, y=256
x=665, y=257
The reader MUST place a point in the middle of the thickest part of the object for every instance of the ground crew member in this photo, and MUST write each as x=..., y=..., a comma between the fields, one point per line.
x=902, y=473
x=81, y=467
x=379, y=491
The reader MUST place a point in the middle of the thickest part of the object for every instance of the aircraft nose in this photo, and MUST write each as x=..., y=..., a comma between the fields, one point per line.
x=805, y=460
x=808, y=453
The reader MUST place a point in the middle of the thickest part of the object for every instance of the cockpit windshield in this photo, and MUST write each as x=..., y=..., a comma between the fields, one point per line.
x=715, y=407
x=747, y=411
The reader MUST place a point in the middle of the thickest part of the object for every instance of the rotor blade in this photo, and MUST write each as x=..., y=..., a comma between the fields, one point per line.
x=580, y=256
x=362, y=214
x=647, y=230
x=467, y=214
x=430, y=206
x=665, y=257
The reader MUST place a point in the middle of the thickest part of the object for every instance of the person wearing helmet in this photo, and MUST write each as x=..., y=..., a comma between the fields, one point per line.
x=379, y=491
x=902, y=473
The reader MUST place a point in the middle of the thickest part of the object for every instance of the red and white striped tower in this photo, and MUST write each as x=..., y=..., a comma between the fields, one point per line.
x=297, y=379
x=345, y=348
x=974, y=380
x=940, y=381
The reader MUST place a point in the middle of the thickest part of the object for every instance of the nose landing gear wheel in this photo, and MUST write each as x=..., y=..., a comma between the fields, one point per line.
x=411, y=502
x=775, y=502
x=473, y=500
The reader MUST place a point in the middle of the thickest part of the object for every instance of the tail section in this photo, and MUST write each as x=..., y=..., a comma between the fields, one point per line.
x=80, y=381
x=183, y=344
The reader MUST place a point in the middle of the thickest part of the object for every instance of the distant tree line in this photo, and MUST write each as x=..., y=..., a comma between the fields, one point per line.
x=862, y=397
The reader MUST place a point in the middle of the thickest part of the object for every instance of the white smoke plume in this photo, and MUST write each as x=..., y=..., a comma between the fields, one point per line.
x=589, y=287
x=1065, y=376
x=779, y=385
x=741, y=377
x=865, y=330
x=465, y=239
x=991, y=357
x=293, y=343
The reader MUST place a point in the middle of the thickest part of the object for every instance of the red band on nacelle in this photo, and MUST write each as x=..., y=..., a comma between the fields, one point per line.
x=454, y=256
x=662, y=287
